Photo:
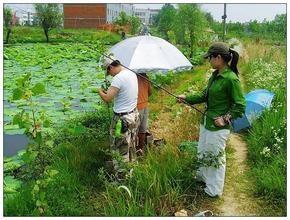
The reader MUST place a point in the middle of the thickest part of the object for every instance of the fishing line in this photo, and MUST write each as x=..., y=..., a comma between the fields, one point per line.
x=158, y=86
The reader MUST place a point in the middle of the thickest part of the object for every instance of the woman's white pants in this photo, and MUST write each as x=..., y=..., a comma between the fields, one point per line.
x=212, y=144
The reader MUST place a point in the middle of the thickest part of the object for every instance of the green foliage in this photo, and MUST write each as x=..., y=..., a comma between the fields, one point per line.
x=57, y=92
x=17, y=94
x=267, y=137
x=164, y=79
x=24, y=34
x=44, y=165
x=38, y=88
x=153, y=188
x=123, y=19
x=189, y=25
x=135, y=23
x=165, y=19
x=8, y=21
x=197, y=54
x=8, y=17
x=19, y=204
x=13, y=164
x=274, y=30
x=11, y=185
x=280, y=26
x=274, y=75
x=49, y=16
x=72, y=161
x=38, y=192
x=267, y=150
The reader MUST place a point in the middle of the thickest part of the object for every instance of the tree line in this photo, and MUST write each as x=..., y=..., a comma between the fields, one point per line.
x=188, y=25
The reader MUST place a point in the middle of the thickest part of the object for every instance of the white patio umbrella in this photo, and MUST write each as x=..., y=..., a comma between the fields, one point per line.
x=149, y=53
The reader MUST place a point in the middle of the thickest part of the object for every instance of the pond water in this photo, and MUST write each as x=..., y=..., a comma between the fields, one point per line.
x=14, y=143
x=69, y=74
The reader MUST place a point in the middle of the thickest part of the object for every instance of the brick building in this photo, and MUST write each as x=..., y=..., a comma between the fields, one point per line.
x=84, y=15
x=93, y=15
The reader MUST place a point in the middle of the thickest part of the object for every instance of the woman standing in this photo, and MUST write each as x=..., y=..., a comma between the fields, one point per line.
x=224, y=101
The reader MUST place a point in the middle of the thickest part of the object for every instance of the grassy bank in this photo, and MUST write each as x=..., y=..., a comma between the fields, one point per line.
x=266, y=69
x=22, y=34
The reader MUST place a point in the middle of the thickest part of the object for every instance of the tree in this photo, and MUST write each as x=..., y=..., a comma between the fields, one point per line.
x=254, y=27
x=166, y=18
x=123, y=19
x=135, y=23
x=8, y=21
x=209, y=17
x=49, y=15
x=280, y=25
x=155, y=19
x=190, y=25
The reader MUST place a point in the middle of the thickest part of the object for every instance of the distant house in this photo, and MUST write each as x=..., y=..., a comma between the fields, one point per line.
x=143, y=14
x=113, y=11
x=146, y=15
x=27, y=18
x=93, y=15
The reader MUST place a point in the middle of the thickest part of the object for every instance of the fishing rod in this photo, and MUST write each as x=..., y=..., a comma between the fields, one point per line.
x=160, y=87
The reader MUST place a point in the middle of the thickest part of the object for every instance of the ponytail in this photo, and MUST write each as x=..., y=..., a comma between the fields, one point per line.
x=234, y=62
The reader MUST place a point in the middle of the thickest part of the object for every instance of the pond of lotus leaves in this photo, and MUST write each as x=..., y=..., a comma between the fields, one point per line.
x=71, y=74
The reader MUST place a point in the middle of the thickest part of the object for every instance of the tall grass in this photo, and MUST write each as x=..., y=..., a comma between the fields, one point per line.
x=267, y=137
x=156, y=186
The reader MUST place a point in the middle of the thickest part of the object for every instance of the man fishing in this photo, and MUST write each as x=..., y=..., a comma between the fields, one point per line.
x=124, y=91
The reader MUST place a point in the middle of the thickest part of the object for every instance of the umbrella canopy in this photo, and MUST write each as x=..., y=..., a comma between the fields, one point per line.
x=149, y=53
x=256, y=102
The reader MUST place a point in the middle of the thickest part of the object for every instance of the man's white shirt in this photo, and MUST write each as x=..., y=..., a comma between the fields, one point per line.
x=126, y=99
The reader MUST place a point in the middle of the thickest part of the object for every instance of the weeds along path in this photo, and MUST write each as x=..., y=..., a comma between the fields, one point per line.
x=238, y=198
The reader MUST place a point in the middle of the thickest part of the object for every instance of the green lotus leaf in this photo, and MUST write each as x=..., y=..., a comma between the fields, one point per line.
x=11, y=185
x=17, y=94
x=38, y=88
x=12, y=165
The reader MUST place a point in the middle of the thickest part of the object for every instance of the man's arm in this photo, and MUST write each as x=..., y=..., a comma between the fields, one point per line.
x=109, y=94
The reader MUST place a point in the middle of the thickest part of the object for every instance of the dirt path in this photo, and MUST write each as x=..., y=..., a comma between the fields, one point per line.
x=238, y=198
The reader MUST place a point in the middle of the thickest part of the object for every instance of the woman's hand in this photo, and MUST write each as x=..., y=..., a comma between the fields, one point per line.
x=181, y=98
x=219, y=121
x=222, y=120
